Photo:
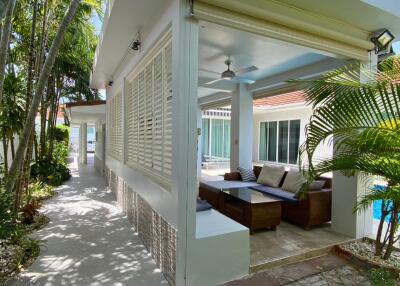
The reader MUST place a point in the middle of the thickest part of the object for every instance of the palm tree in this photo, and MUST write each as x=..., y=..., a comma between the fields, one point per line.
x=363, y=118
x=40, y=86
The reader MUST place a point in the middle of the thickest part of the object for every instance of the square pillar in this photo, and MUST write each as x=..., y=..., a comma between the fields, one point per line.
x=199, y=139
x=185, y=34
x=347, y=191
x=241, y=128
x=83, y=143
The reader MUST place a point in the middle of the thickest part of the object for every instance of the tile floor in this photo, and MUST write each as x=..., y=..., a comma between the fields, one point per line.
x=290, y=243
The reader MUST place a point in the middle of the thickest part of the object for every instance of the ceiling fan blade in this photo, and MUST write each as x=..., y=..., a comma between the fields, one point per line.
x=210, y=72
x=243, y=80
x=246, y=70
x=213, y=81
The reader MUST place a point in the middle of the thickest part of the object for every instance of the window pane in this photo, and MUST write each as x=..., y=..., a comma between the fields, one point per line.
x=262, y=153
x=272, y=128
x=294, y=138
x=205, y=136
x=227, y=138
x=217, y=137
x=283, y=142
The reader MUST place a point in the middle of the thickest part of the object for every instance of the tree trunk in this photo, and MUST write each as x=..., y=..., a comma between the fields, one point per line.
x=43, y=40
x=378, y=240
x=393, y=228
x=43, y=117
x=44, y=75
x=5, y=151
x=3, y=7
x=31, y=56
x=5, y=38
x=12, y=147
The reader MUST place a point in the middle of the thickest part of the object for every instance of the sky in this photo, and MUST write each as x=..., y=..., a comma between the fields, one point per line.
x=396, y=47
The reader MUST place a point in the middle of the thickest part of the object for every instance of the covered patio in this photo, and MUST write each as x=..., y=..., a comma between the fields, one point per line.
x=208, y=54
x=263, y=65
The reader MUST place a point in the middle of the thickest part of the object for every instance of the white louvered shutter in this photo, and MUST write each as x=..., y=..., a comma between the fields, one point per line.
x=167, y=142
x=158, y=113
x=149, y=113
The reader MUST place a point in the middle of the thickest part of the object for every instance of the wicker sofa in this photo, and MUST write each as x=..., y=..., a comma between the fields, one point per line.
x=311, y=210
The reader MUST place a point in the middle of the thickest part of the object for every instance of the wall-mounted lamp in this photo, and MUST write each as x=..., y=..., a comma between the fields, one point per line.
x=382, y=39
x=136, y=45
x=110, y=83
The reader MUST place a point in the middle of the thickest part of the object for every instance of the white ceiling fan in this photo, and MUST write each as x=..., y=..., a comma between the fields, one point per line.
x=237, y=76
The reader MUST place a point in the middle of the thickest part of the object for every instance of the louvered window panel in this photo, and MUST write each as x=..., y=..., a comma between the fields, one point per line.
x=158, y=113
x=148, y=157
x=167, y=150
x=115, y=134
x=149, y=99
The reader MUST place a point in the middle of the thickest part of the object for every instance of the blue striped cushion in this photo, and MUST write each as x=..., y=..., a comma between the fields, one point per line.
x=247, y=175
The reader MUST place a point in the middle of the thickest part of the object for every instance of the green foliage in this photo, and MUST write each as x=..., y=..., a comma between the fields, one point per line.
x=50, y=172
x=61, y=134
x=361, y=120
x=380, y=277
x=37, y=191
x=60, y=153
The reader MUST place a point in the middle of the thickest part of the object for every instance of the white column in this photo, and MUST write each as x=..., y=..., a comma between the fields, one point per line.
x=241, y=128
x=184, y=126
x=199, y=139
x=347, y=191
x=83, y=143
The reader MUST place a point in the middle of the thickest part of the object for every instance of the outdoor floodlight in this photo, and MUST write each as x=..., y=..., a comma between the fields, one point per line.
x=382, y=40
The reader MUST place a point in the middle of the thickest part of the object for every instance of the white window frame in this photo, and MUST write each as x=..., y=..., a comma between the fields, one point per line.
x=277, y=141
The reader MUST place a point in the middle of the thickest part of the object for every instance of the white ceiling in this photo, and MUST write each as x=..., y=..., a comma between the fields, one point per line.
x=272, y=57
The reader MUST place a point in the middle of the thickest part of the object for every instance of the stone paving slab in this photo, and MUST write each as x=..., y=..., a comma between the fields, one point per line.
x=329, y=270
x=88, y=241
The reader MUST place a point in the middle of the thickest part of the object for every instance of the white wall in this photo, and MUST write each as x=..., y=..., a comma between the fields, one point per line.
x=301, y=112
x=9, y=155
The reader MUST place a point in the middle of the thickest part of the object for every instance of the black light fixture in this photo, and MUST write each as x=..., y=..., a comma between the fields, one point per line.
x=110, y=83
x=136, y=45
x=228, y=74
x=382, y=39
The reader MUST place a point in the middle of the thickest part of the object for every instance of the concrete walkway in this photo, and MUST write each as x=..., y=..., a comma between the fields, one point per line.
x=88, y=240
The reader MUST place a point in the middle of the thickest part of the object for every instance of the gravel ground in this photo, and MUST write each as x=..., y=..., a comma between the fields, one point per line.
x=9, y=255
x=366, y=248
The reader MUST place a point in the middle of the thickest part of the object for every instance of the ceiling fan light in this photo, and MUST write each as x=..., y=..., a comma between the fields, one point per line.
x=228, y=74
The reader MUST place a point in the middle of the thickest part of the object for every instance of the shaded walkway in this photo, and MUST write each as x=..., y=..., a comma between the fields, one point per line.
x=88, y=241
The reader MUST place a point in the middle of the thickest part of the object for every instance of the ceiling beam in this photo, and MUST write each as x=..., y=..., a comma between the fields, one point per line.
x=304, y=72
x=214, y=98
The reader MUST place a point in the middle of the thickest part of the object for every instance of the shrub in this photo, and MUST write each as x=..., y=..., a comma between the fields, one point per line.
x=380, y=277
x=50, y=172
x=60, y=153
x=61, y=134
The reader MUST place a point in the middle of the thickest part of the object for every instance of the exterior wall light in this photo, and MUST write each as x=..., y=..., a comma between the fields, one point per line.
x=136, y=45
x=382, y=40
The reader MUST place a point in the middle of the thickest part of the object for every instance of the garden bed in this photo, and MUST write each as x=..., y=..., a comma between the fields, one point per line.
x=21, y=250
x=361, y=252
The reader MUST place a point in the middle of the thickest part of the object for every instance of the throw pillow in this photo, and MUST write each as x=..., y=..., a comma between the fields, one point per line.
x=271, y=175
x=294, y=182
x=316, y=185
x=247, y=175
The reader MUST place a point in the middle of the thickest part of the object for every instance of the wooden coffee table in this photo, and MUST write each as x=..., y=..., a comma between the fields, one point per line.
x=251, y=208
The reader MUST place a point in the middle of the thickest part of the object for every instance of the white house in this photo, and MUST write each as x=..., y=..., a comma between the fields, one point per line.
x=161, y=63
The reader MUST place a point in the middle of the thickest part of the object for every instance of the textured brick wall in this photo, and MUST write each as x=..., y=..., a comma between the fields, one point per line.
x=157, y=235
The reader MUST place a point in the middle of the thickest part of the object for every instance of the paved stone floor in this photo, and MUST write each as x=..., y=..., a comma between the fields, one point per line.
x=328, y=270
x=88, y=241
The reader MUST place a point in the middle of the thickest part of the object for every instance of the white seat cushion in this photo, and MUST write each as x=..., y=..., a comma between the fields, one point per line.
x=271, y=175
